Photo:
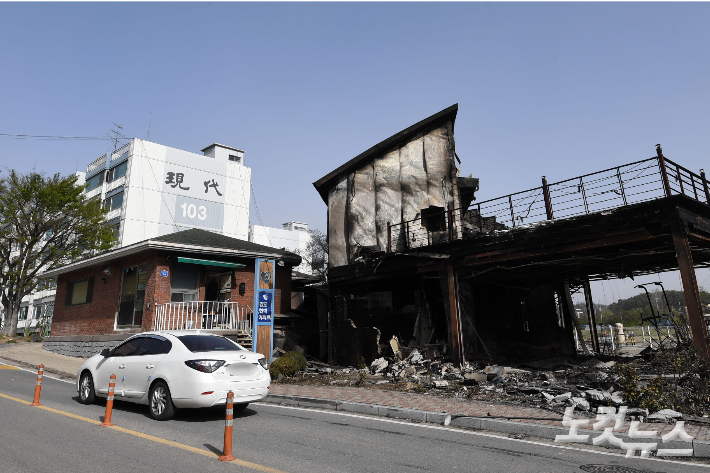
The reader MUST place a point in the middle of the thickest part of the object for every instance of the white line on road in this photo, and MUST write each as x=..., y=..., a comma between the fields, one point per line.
x=472, y=432
x=35, y=372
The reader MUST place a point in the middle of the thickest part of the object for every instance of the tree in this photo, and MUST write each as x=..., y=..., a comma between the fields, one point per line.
x=45, y=222
x=315, y=255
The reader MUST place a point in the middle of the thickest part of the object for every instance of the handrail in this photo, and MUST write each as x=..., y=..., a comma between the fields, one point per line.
x=203, y=315
x=598, y=191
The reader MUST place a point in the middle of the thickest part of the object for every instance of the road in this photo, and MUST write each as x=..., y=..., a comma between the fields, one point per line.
x=65, y=437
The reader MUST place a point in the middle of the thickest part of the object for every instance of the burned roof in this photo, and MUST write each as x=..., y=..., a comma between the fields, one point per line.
x=323, y=184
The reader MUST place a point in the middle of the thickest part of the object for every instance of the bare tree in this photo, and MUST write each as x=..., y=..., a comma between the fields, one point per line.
x=315, y=255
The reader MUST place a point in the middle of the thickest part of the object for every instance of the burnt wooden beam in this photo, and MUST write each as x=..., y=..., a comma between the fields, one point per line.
x=521, y=252
x=690, y=288
x=454, y=314
x=591, y=315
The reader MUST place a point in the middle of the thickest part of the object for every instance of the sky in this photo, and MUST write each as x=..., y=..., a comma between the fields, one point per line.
x=554, y=89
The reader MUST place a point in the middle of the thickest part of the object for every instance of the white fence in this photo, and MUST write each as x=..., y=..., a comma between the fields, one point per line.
x=204, y=315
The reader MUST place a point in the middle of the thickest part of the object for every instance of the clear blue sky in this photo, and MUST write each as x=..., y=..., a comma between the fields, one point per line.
x=543, y=88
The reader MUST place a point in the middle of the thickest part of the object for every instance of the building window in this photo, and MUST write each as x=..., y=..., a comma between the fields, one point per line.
x=22, y=313
x=130, y=310
x=117, y=172
x=236, y=159
x=37, y=312
x=183, y=286
x=79, y=292
x=94, y=182
x=116, y=229
x=113, y=202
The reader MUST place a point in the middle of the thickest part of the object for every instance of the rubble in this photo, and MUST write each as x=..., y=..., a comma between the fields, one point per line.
x=378, y=365
x=584, y=383
x=665, y=415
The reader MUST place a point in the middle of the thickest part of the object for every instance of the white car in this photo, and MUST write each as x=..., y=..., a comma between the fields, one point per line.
x=169, y=370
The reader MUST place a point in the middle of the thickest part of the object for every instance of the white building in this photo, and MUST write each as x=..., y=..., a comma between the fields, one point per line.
x=151, y=190
x=293, y=237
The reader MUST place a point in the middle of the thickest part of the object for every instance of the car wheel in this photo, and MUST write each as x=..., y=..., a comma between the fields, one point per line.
x=161, y=404
x=240, y=407
x=86, y=389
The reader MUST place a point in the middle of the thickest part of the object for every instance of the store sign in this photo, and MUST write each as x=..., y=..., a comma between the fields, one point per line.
x=193, y=196
x=264, y=309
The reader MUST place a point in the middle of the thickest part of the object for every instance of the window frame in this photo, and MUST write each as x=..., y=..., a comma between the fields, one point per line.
x=108, y=202
x=190, y=292
x=101, y=178
x=111, y=174
x=141, y=338
x=69, y=294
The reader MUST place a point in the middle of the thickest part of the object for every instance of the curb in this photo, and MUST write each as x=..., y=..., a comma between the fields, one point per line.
x=701, y=448
x=63, y=374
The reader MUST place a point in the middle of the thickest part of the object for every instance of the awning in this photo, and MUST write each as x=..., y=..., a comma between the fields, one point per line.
x=207, y=262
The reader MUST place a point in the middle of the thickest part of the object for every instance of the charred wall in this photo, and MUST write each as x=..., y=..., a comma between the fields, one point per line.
x=392, y=187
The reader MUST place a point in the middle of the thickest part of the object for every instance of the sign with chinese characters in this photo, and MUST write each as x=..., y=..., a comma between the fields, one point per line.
x=264, y=309
x=164, y=273
x=194, y=193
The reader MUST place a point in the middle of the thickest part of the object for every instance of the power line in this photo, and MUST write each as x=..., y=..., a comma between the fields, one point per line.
x=54, y=137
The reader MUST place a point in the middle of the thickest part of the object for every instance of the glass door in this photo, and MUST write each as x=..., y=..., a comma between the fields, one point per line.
x=130, y=311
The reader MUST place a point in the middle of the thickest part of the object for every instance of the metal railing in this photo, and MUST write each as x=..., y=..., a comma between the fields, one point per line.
x=98, y=162
x=120, y=152
x=641, y=181
x=203, y=315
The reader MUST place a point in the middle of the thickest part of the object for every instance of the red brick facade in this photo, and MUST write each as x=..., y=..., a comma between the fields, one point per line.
x=98, y=317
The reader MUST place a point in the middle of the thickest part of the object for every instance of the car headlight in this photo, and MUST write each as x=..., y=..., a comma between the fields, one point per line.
x=264, y=364
x=205, y=366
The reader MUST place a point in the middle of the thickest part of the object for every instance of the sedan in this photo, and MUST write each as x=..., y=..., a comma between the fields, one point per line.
x=169, y=370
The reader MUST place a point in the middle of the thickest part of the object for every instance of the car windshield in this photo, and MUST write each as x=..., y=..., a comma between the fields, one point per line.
x=197, y=343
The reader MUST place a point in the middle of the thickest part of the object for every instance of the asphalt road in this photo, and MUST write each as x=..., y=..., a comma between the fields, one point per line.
x=269, y=437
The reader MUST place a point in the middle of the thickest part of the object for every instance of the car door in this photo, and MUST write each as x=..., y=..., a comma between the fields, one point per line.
x=117, y=363
x=142, y=365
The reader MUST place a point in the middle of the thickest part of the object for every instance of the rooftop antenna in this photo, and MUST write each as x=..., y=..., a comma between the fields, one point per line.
x=149, y=120
x=116, y=135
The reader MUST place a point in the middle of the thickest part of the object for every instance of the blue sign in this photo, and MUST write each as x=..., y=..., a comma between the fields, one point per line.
x=264, y=309
x=164, y=273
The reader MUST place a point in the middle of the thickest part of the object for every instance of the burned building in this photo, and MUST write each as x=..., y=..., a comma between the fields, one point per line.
x=413, y=254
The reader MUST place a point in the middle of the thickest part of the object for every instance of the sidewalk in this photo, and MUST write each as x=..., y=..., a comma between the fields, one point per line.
x=471, y=414
x=32, y=355
x=469, y=408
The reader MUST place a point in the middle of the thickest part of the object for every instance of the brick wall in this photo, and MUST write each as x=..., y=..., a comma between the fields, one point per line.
x=98, y=317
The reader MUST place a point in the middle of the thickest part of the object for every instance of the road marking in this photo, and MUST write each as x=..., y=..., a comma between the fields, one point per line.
x=8, y=367
x=200, y=451
x=472, y=432
x=35, y=371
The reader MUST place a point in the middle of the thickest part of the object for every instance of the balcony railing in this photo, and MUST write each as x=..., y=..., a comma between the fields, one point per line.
x=642, y=181
x=99, y=162
x=118, y=154
x=203, y=315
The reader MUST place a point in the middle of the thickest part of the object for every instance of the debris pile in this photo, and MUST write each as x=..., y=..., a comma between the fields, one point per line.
x=583, y=383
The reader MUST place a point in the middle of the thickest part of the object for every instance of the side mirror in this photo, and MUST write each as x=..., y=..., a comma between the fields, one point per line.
x=105, y=352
